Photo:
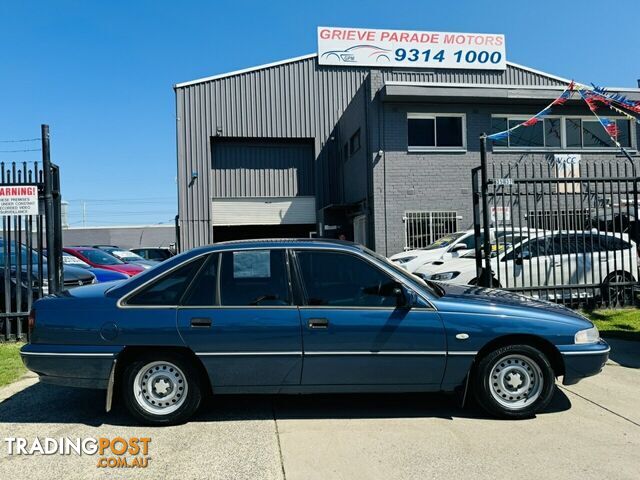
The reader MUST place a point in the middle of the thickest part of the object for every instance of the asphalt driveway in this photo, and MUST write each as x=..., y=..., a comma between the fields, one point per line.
x=591, y=430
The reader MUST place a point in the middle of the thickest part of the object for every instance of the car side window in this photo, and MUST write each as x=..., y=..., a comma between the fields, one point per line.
x=470, y=242
x=202, y=292
x=610, y=243
x=254, y=277
x=168, y=290
x=344, y=280
x=536, y=247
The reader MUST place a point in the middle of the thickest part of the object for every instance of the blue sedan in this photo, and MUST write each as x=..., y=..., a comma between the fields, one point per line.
x=304, y=316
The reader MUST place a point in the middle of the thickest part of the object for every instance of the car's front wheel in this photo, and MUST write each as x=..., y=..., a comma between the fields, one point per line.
x=514, y=381
x=161, y=389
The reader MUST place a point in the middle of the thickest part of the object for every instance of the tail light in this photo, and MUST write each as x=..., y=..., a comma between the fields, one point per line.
x=32, y=321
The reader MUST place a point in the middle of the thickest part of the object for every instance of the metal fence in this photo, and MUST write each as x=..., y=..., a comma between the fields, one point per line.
x=29, y=269
x=573, y=230
x=423, y=228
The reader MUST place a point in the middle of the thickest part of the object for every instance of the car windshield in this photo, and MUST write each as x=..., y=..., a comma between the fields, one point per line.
x=445, y=241
x=69, y=259
x=13, y=258
x=126, y=255
x=402, y=272
x=100, y=257
x=505, y=243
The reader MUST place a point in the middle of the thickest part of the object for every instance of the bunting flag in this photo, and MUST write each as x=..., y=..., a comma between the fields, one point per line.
x=609, y=125
x=564, y=96
x=594, y=97
x=608, y=98
x=625, y=114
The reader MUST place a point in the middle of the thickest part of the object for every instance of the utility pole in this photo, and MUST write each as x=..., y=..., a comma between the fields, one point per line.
x=84, y=213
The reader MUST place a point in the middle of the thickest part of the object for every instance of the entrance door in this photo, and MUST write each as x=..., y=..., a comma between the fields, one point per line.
x=353, y=332
x=239, y=318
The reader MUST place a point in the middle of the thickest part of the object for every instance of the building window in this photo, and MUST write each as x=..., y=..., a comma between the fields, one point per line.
x=559, y=133
x=441, y=131
x=354, y=142
x=421, y=229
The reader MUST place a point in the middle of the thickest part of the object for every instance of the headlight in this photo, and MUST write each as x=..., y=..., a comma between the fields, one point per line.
x=444, y=276
x=402, y=260
x=590, y=335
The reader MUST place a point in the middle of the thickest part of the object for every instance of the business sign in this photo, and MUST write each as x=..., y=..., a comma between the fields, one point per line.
x=567, y=166
x=407, y=48
x=19, y=200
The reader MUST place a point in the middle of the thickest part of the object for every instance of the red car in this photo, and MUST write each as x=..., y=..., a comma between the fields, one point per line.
x=101, y=259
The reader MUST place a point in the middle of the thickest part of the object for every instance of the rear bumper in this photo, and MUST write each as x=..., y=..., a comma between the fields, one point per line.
x=73, y=366
x=581, y=361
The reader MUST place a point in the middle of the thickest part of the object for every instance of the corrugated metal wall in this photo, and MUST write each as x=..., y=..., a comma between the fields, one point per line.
x=292, y=100
x=262, y=169
x=298, y=99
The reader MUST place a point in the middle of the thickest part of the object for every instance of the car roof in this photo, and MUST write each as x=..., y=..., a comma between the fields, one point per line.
x=279, y=243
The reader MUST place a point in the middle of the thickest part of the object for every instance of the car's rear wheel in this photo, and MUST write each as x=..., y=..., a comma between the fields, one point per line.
x=515, y=381
x=161, y=389
x=616, y=294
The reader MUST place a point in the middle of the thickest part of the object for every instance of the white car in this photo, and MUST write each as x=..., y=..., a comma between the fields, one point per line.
x=554, y=259
x=450, y=246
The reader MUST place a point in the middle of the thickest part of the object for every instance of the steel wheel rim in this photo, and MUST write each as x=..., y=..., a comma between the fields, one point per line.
x=160, y=388
x=515, y=381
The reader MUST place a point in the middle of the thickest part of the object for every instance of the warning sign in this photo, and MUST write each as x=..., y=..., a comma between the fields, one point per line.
x=19, y=200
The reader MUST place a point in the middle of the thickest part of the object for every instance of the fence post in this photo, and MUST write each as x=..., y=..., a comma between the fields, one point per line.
x=485, y=281
x=475, y=189
x=53, y=278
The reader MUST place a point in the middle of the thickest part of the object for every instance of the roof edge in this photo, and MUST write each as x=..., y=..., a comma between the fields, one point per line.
x=245, y=70
x=314, y=55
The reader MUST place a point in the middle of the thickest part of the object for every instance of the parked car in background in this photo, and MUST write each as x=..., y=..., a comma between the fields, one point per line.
x=102, y=274
x=559, y=258
x=452, y=245
x=462, y=270
x=19, y=274
x=101, y=259
x=159, y=254
x=127, y=256
x=304, y=316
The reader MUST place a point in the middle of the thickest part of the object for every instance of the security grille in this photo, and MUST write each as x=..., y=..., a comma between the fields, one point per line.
x=424, y=228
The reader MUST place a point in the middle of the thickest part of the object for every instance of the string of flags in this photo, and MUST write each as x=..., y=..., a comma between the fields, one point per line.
x=594, y=97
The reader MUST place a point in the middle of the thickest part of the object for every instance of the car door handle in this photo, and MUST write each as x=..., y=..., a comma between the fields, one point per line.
x=201, y=322
x=318, y=322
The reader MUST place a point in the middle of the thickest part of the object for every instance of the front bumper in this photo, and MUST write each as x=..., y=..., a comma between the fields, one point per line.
x=70, y=365
x=581, y=361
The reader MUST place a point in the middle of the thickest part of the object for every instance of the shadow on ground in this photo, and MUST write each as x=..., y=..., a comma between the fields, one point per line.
x=42, y=403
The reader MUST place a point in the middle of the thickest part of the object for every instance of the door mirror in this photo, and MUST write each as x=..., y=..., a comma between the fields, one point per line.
x=459, y=246
x=520, y=257
x=405, y=298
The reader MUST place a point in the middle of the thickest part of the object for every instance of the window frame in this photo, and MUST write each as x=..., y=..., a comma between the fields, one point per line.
x=436, y=148
x=302, y=300
x=295, y=282
x=122, y=301
x=563, y=134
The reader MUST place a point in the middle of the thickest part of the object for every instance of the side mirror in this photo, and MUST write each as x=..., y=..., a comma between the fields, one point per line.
x=518, y=259
x=459, y=246
x=405, y=298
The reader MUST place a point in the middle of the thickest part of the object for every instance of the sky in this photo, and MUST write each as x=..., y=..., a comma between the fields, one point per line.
x=101, y=73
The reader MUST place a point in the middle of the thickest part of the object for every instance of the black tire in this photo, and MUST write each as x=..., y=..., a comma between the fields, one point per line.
x=174, y=379
x=497, y=375
x=616, y=295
